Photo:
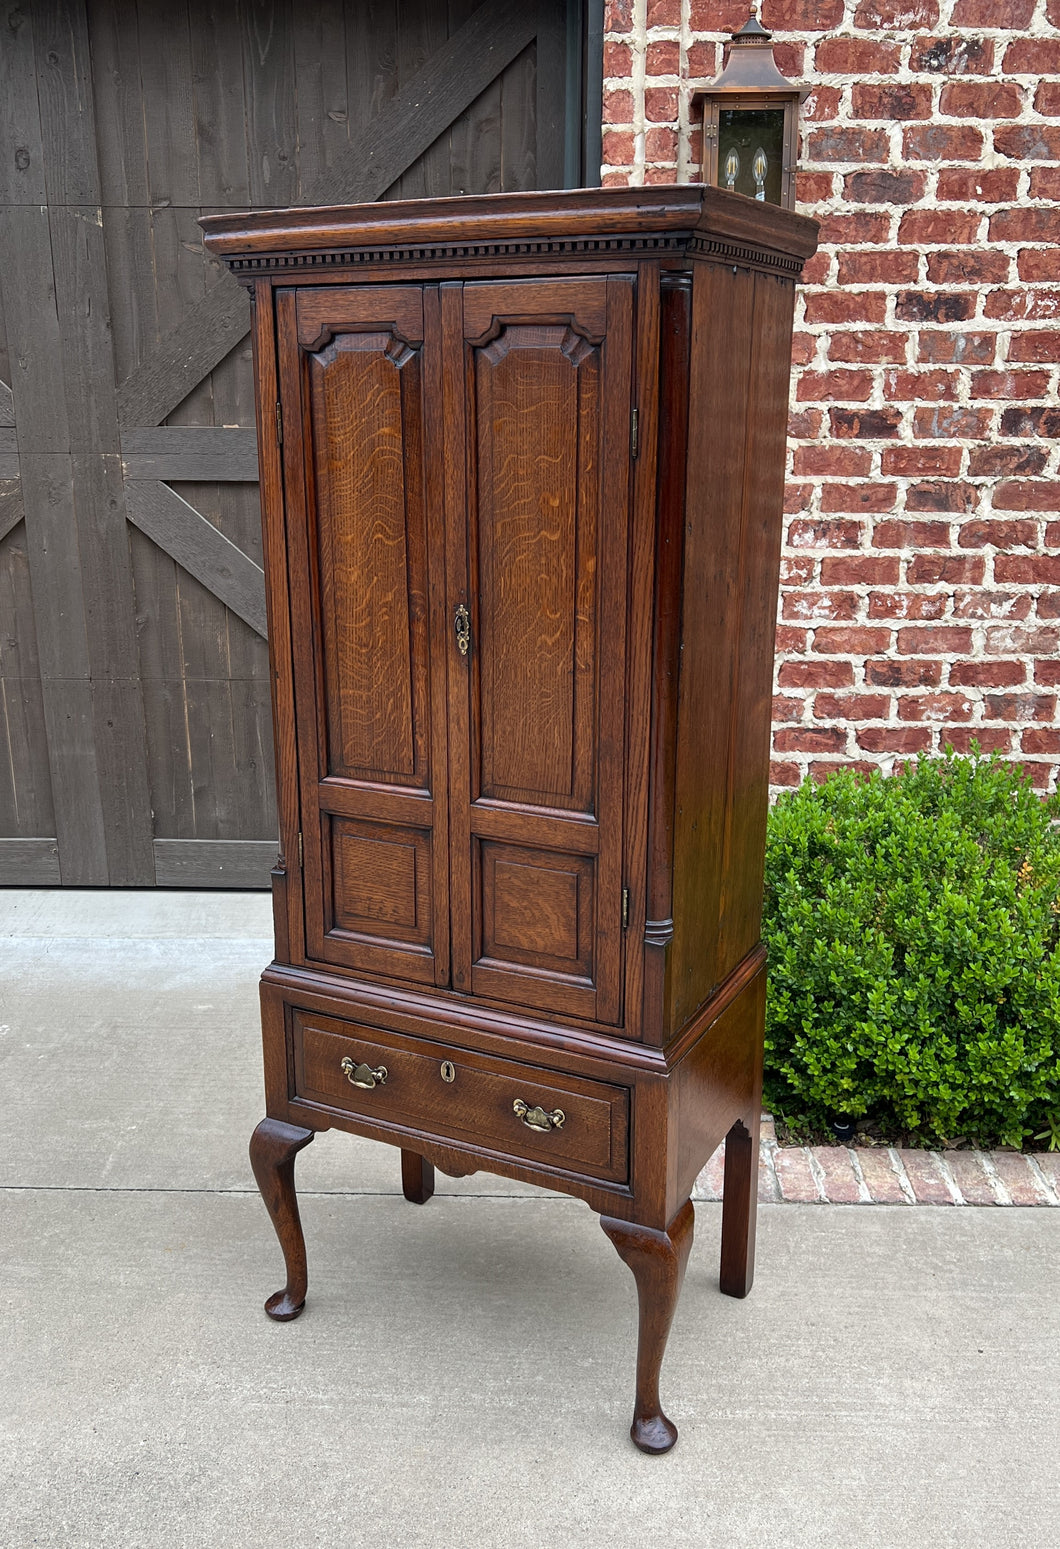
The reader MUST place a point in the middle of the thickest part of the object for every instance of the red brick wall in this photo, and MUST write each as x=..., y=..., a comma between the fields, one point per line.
x=921, y=584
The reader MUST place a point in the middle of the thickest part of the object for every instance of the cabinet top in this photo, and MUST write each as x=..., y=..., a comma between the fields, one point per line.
x=693, y=219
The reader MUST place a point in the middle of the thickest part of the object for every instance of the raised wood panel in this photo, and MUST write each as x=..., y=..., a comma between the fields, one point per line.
x=537, y=405
x=537, y=909
x=382, y=881
x=365, y=402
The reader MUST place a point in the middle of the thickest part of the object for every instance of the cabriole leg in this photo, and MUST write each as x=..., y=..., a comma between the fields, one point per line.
x=417, y=1177
x=739, y=1209
x=273, y=1147
x=658, y=1261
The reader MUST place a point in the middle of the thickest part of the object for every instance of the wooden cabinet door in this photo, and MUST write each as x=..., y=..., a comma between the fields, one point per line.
x=538, y=417
x=361, y=415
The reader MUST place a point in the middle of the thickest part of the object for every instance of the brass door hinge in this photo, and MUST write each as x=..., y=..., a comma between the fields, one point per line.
x=634, y=437
x=301, y=852
x=625, y=908
x=279, y=423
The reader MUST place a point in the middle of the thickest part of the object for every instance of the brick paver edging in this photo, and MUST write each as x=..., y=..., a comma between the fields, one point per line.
x=891, y=1175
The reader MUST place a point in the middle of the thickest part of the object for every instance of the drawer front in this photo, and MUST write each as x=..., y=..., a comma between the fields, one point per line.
x=463, y=1097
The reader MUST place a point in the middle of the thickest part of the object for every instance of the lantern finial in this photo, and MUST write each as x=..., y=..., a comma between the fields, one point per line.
x=752, y=30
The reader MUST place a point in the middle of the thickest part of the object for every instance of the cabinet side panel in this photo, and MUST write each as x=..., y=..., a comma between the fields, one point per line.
x=738, y=388
x=740, y=923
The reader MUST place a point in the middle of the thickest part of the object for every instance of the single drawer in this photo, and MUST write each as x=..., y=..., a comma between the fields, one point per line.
x=516, y=1110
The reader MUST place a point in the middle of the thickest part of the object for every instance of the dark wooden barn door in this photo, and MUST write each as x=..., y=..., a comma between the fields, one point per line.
x=135, y=744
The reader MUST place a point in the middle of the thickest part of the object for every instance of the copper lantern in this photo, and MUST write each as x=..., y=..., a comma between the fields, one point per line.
x=751, y=121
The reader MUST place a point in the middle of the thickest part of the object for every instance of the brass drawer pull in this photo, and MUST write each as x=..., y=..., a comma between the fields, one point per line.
x=537, y=1118
x=363, y=1075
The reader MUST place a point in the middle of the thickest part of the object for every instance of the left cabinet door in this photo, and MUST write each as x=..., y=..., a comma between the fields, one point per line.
x=363, y=498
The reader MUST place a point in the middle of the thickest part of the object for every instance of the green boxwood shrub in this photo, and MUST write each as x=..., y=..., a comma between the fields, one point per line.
x=913, y=927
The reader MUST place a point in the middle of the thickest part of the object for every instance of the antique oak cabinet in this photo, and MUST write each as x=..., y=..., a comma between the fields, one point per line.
x=522, y=466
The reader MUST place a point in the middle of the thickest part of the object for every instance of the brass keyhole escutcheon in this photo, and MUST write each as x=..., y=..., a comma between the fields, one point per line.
x=448, y=1070
x=462, y=626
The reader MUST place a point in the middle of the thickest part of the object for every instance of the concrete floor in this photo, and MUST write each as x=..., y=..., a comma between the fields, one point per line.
x=463, y=1373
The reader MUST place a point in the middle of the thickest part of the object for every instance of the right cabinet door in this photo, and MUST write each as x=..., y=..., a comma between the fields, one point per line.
x=538, y=421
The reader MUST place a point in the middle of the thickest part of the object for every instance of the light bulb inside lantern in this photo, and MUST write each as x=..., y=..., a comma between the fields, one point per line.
x=759, y=167
x=732, y=168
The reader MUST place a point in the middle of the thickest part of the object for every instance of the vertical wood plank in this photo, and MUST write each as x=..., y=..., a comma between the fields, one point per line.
x=236, y=511
x=79, y=263
x=371, y=61
x=51, y=540
x=474, y=136
x=32, y=322
x=592, y=109
x=168, y=109
x=74, y=507
x=62, y=643
x=64, y=89
x=319, y=41
x=268, y=73
x=26, y=807
x=422, y=29
x=219, y=107
x=551, y=59
x=106, y=586
x=22, y=172
x=25, y=785
x=518, y=137
x=129, y=261
x=119, y=115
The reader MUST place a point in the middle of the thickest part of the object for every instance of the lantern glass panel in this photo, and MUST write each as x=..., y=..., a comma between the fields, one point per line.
x=751, y=152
